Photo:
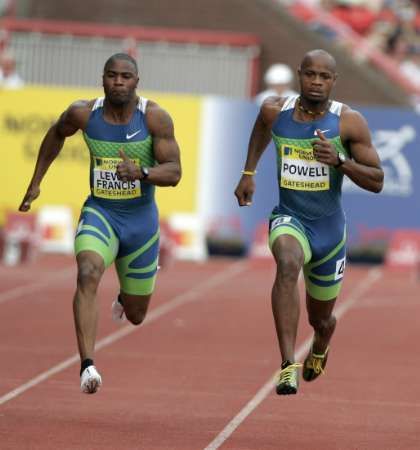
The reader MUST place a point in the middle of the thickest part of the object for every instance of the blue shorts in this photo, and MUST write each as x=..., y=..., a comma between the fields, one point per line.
x=324, y=246
x=128, y=237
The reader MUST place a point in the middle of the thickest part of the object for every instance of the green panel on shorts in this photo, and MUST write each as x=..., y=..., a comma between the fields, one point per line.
x=323, y=292
x=135, y=286
x=296, y=233
x=88, y=242
x=333, y=252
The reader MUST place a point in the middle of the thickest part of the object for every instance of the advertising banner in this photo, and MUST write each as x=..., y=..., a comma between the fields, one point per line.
x=396, y=136
x=26, y=115
x=213, y=134
x=226, y=131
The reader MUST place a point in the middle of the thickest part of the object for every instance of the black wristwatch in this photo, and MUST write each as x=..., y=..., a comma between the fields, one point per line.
x=341, y=157
x=144, y=172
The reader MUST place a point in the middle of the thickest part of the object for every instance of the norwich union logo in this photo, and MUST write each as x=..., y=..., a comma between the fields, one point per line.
x=398, y=173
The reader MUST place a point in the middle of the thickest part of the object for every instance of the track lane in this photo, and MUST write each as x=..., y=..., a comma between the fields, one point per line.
x=176, y=383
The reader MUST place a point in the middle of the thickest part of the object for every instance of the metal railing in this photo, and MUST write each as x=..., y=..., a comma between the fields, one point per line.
x=200, y=66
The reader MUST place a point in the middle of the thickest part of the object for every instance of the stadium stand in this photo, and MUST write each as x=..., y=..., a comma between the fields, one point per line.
x=283, y=36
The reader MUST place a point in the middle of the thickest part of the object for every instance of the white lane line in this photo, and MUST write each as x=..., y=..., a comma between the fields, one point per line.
x=360, y=289
x=30, y=288
x=188, y=296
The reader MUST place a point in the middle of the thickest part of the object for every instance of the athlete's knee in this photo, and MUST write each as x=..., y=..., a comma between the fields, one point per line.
x=323, y=325
x=288, y=268
x=135, y=308
x=136, y=317
x=89, y=274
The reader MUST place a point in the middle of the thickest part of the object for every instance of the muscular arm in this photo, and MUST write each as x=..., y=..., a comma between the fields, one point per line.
x=364, y=168
x=165, y=147
x=68, y=123
x=260, y=138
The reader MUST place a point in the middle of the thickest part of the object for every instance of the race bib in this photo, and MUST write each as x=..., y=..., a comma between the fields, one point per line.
x=107, y=185
x=301, y=171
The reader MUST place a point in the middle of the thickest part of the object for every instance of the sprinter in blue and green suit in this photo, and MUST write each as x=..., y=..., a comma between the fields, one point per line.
x=132, y=149
x=317, y=141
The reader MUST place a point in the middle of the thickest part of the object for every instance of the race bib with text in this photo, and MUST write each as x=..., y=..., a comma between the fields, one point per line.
x=106, y=183
x=301, y=171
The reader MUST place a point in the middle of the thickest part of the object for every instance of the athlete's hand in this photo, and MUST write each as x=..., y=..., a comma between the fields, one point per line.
x=324, y=150
x=245, y=190
x=31, y=194
x=126, y=169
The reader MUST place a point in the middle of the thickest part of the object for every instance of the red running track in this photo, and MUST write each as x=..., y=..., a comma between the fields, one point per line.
x=198, y=373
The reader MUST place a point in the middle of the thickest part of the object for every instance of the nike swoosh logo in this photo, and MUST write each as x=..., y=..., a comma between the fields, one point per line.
x=322, y=131
x=129, y=136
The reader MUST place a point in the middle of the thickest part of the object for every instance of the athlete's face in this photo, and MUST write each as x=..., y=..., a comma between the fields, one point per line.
x=316, y=78
x=120, y=81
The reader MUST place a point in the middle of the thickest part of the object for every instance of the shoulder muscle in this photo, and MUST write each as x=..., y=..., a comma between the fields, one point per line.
x=353, y=126
x=75, y=117
x=270, y=109
x=159, y=121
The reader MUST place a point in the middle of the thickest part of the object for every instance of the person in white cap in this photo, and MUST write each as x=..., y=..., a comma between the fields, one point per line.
x=279, y=81
x=9, y=77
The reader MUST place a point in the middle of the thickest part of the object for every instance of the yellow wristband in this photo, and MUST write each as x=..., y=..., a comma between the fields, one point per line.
x=249, y=172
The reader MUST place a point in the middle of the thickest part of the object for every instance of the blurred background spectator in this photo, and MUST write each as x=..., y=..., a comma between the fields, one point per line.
x=393, y=26
x=355, y=13
x=279, y=81
x=383, y=34
x=9, y=77
x=6, y=7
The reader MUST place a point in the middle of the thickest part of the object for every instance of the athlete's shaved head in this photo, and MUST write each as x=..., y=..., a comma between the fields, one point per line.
x=120, y=79
x=317, y=76
x=319, y=55
x=123, y=57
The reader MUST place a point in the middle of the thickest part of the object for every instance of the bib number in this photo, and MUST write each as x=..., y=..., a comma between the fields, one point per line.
x=106, y=183
x=301, y=171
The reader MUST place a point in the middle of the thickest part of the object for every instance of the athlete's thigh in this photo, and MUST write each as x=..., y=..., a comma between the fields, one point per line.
x=137, y=259
x=284, y=232
x=95, y=234
x=324, y=273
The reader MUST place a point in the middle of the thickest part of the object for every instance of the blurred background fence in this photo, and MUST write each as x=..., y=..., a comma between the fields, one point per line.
x=69, y=54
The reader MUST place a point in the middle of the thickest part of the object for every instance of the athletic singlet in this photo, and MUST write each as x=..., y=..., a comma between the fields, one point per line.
x=104, y=140
x=307, y=188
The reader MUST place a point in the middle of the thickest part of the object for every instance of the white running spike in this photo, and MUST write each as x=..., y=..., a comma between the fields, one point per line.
x=118, y=314
x=90, y=380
